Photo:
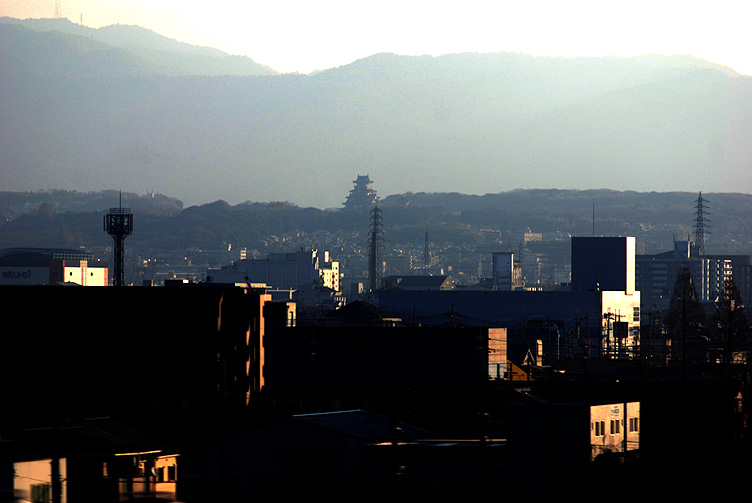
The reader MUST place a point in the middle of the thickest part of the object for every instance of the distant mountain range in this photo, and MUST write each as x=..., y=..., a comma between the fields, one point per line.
x=124, y=108
x=49, y=46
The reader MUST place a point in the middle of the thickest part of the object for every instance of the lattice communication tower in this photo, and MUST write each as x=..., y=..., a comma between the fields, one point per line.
x=119, y=224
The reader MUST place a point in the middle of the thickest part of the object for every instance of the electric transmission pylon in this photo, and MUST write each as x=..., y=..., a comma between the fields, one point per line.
x=376, y=244
x=702, y=227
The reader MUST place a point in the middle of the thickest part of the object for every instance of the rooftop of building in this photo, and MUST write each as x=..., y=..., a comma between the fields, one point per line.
x=41, y=256
x=418, y=282
x=360, y=311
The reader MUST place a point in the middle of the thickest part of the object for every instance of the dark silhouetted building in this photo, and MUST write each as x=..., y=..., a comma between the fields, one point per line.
x=603, y=263
x=362, y=195
x=71, y=352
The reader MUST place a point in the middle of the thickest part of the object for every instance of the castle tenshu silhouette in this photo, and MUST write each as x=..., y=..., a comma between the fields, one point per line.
x=362, y=195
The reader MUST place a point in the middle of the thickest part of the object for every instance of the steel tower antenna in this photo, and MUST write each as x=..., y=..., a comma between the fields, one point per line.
x=376, y=244
x=119, y=224
x=702, y=227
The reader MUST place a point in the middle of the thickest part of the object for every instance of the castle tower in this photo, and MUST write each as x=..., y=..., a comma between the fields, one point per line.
x=362, y=195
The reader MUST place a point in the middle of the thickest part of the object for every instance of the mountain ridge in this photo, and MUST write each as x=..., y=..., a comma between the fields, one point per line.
x=168, y=55
x=472, y=123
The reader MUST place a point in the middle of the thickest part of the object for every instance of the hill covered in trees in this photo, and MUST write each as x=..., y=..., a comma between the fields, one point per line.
x=73, y=219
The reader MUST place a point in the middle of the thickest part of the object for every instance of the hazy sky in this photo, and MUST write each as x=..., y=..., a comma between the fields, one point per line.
x=302, y=35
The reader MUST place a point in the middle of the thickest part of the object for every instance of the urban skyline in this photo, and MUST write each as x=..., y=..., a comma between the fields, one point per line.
x=485, y=251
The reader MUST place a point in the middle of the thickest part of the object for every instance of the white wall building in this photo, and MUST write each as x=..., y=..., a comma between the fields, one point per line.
x=507, y=272
x=614, y=428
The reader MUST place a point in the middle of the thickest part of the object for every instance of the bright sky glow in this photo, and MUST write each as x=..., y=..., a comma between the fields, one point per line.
x=302, y=36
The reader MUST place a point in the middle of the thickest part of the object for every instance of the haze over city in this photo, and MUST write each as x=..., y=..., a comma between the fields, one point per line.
x=417, y=95
x=374, y=250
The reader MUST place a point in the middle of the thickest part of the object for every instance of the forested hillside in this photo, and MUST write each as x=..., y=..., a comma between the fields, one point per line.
x=73, y=219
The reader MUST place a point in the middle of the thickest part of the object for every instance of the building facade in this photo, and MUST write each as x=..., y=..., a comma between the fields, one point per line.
x=301, y=270
x=48, y=266
x=603, y=263
x=506, y=272
x=167, y=348
x=614, y=428
x=655, y=275
x=741, y=272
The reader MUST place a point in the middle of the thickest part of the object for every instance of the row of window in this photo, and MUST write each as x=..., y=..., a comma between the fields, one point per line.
x=614, y=426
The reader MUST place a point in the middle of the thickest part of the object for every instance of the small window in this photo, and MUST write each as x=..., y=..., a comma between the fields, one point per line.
x=600, y=428
x=614, y=426
x=41, y=493
x=633, y=426
x=636, y=314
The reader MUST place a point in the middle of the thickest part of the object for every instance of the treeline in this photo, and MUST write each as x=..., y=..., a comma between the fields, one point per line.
x=73, y=219
x=14, y=204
